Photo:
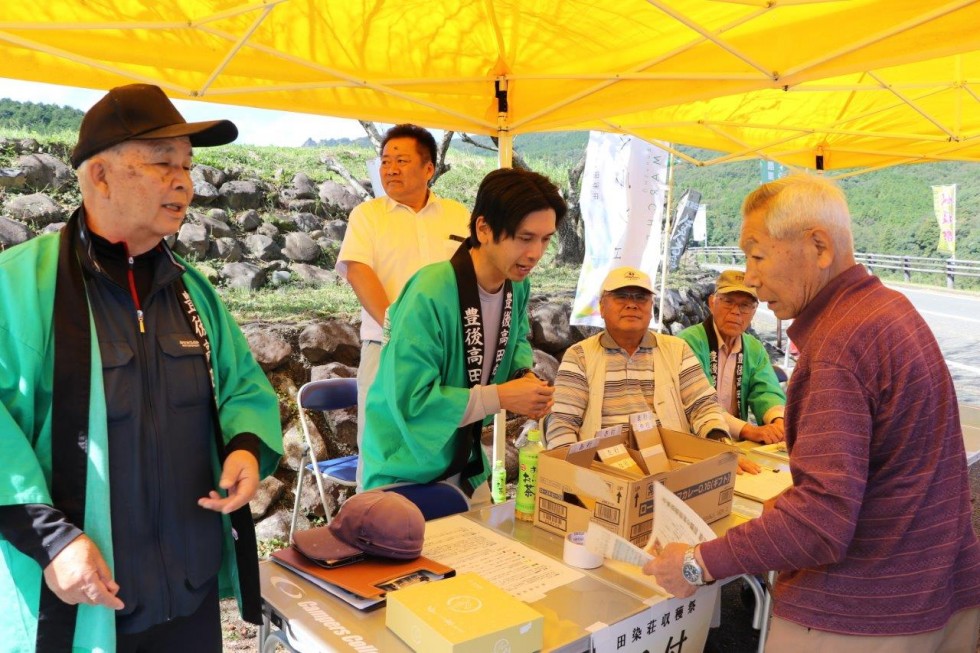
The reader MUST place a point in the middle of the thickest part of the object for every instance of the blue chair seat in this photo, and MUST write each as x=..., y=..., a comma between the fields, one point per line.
x=435, y=500
x=338, y=470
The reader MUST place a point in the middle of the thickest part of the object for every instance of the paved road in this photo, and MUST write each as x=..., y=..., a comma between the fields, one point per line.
x=955, y=320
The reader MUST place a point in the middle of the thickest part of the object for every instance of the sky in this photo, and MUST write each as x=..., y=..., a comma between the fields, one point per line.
x=255, y=126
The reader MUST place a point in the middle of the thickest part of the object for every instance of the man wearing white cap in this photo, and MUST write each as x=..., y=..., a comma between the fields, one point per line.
x=629, y=369
x=737, y=363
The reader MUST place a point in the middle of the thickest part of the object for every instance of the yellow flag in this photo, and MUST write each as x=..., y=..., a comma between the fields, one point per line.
x=944, y=202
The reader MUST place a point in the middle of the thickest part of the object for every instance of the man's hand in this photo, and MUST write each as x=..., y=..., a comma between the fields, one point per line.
x=746, y=465
x=240, y=476
x=79, y=574
x=528, y=395
x=767, y=434
x=666, y=567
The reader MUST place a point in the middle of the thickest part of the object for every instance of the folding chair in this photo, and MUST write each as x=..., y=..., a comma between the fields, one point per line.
x=327, y=394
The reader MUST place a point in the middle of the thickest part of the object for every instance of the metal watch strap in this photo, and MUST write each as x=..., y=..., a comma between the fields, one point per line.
x=692, y=571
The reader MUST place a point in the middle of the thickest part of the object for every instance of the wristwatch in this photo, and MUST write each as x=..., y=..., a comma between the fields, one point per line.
x=521, y=373
x=718, y=435
x=691, y=570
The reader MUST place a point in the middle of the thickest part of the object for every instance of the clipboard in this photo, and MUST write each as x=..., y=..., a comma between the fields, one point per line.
x=371, y=578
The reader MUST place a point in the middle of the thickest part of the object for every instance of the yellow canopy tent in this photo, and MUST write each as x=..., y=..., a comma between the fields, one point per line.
x=497, y=67
x=918, y=112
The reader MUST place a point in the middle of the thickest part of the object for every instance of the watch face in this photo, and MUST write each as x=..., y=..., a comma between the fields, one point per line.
x=691, y=573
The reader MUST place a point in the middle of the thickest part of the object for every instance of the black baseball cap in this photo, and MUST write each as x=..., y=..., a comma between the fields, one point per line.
x=142, y=112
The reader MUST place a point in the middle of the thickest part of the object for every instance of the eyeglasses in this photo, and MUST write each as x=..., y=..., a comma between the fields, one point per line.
x=635, y=297
x=731, y=304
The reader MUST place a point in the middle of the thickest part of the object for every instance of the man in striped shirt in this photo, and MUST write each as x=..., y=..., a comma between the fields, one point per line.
x=874, y=543
x=628, y=369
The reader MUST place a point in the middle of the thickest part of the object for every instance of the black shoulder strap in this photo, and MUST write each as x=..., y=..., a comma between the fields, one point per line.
x=709, y=330
x=474, y=347
x=71, y=393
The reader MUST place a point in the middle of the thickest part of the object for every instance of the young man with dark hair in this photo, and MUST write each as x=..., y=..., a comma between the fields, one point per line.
x=390, y=238
x=457, y=349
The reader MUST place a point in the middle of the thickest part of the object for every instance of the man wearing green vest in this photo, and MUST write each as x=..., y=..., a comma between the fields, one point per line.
x=456, y=348
x=736, y=362
x=134, y=422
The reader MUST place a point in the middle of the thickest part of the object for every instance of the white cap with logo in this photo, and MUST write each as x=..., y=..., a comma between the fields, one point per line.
x=626, y=277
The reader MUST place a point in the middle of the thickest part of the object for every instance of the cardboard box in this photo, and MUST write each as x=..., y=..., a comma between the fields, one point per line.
x=464, y=614
x=575, y=489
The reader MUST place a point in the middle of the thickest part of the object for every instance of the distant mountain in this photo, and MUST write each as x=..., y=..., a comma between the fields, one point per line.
x=364, y=141
x=554, y=147
x=42, y=119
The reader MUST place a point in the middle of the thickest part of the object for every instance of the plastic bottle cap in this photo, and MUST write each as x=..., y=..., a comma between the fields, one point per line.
x=534, y=435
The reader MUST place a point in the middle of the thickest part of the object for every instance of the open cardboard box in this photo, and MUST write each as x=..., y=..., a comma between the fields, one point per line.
x=576, y=485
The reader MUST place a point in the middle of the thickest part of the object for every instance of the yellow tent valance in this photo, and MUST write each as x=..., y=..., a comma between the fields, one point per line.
x=485, y=66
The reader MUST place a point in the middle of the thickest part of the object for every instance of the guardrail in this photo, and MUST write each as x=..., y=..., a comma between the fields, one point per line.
x=950, y=268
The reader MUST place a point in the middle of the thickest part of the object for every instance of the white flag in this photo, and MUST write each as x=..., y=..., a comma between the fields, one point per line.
x=701, y=225
x=623, y=190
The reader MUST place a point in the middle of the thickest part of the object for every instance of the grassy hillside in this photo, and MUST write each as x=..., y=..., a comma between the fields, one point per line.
x=41, y=119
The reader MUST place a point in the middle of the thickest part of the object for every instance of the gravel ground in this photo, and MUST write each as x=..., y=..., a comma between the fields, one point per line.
x=237, y=634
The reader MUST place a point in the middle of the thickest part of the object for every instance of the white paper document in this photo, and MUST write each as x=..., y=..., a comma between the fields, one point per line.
x=513, y=567
x=675, y=521
x=601, y=541
x=667, y=624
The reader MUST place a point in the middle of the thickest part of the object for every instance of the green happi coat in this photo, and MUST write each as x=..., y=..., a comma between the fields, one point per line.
x=760, y=387
x=420, y=394
x=246, y=403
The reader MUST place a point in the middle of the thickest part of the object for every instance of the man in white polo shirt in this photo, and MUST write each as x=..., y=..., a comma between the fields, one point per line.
x=390, y=238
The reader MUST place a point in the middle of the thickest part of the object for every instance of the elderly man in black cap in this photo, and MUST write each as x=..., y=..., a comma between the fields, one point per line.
x=134, y=421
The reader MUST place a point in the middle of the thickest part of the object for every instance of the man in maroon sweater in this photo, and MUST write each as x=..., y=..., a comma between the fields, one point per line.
x=874, y=543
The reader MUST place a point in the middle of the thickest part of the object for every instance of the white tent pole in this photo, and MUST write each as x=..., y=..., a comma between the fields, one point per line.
x=234, y=50
x=505, y=159
x=915, y=107
x=665, y=250
x=505, y=149
x=713, y=36
x=607, y=80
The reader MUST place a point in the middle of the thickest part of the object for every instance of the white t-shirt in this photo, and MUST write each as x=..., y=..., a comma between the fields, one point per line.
x=395, y=242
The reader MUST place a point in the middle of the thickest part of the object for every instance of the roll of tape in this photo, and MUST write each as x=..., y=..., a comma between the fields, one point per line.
x=576, y=555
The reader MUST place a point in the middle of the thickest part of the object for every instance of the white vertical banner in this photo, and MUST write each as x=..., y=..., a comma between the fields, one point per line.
x=623, y=191
x=374, y=174
x=701, y=225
